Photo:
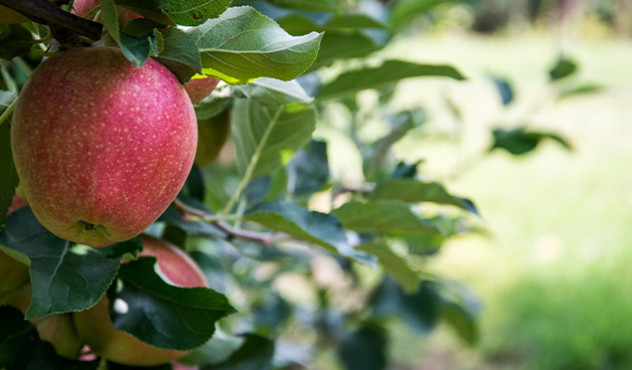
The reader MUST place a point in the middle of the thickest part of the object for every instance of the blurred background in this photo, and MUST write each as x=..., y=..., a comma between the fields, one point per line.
x=553, y=270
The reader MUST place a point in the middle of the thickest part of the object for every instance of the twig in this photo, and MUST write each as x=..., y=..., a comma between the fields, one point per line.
x=8, y=112
x=41, y=11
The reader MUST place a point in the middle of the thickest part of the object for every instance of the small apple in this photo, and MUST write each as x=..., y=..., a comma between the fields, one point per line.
x=96, y=329
x=212, y=135
x=200, y=88
x=101, y=146
x=59, y=330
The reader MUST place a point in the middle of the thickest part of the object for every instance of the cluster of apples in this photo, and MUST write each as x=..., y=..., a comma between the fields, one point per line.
x=102, y=148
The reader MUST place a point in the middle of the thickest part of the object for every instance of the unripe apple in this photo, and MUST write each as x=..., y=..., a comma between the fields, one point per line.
x=101, y=146
x=13, y=273
x=59, y=330
x=95, y=326
x=200, y=88
x=212, y=135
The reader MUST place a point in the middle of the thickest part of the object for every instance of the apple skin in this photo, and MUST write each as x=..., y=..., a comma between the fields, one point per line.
x=200, y=88
x=212, y=135
x=59, y=330
x=95, y=326
x=102, y=147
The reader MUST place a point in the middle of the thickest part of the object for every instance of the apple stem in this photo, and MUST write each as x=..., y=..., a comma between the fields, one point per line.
x=254, y=161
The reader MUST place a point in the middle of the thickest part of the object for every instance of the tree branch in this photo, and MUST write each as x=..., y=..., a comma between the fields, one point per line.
x=41, y=11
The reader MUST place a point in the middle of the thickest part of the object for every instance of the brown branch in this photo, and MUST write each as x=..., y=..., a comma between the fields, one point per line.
x=41, y=11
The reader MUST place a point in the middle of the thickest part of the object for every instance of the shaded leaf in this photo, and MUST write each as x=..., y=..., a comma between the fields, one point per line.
x=318, y=228
x=65, y=277
x=309, y=5
x=255, y=353
x=164, y=315
x=505, y=90
x=415, y=191
x=520, y=141
x=364, y=349
x=273, y=132
x=308, y=171
x=579, y=90
x=15, y=40
x=382, y=216
x=389, y=72
x=270, y=91
x=242, y=45
x=194, y=12
x=172, y=217
x=563, y=68
x=406, y=10
x=8, y=173
x=216, y=350
x=180, y=54
x=343, y=45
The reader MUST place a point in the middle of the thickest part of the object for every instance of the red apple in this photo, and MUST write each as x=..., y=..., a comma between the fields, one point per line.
x=96, y=329
x=200, y=88
x=59, y=330
x=101, y=146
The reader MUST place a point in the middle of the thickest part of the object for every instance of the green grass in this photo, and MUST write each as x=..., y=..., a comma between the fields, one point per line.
x=555, y=275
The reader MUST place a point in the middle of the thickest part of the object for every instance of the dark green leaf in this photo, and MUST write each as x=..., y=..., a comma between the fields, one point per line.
x=172, y=217
x=164, y=315
x=215, y=351
x=419, y=310
x=65, y=277
x=309, y=5
x=390, y=72
x=405, y=170
x=194, y=12
x=382, y=216
x=343, y=45
x=308, y=171
x=15, y=40
x=414, y=191
x=254, y=354
x=301, y=23
x=180, y=54
x=136, y=49
x=394, y=264
x=273, y=132
x=563, y=68
x=318, y=228
x=364, y=349
x=242, y=45
x=7, y=168
x=194, y=186
x=520, y=141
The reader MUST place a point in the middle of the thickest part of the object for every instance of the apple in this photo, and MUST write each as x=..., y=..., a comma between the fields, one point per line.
x=101, y=146
x=83, y=7
x=95, y=326
x=212, y=135
x=200, y=88
x=59, y=330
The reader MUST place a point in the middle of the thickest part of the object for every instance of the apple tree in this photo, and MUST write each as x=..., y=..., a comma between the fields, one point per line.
x=173, y=191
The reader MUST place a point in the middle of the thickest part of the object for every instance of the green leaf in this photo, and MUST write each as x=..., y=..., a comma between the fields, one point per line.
x=343, y=45
x=390, y=72
x=275, y=133
x=420, y=310
x=520, y=141
x=309, y=5
x=384, y=217
x=15, y=40
x=242, y=45
x=318, y=228
x=164, y=315
x=172, y=217
x=65, y=277
x=217, y=349
x=308, y=171
x=583, y=89
x=394, y=264
x=364, y=348
x=7, y=168
x=180, y=54
x=255, y=353
x=149, y=9
x=563, y=68
x=414, y=191
x=135, y=49
x=110, y=19
x=300, y=23
x=406, y=10
x=194, y=12
x=461, y=319
x=275, y=92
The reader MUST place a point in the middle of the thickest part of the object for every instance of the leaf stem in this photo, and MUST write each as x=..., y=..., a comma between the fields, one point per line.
x=8, y=112
x=253, y=163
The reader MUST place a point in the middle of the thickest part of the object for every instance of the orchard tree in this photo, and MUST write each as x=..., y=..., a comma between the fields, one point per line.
x=163, y=185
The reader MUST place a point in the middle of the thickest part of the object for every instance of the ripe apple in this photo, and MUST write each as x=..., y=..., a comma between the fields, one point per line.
x=212, y=135
x=102, y=147
x=59, y=330
x=96, y=329
x=83, y=7
x=13, y=273
x=200, y=88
